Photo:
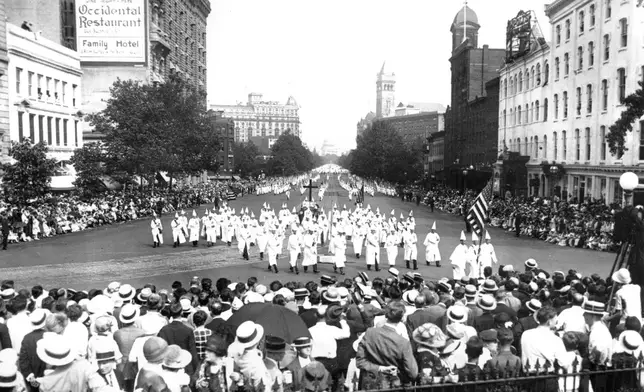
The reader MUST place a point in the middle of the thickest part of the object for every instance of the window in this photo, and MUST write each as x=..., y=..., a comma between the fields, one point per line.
x=32, y=128
x=520, y=88
x=587, y=135
x=48, y=87
x=580, y=58
x=527, y=79
x=577, y=145
x=40, y=92
x=609, y=9
x=58, y=131
x=546, y=74
x=519, y=115
x=505, y=88
x=531, y=112
x=545, y=109
x=591, y=54
x=18, y=77
x=558, y=34
x=602, y=152
x=49, y=138
x=64, y=93
x=526, y=112
x=579, y=101
x=589, y=98
x=41, y=128
x=511, y=85
x=533, y=82
x=504, y=117
x=565, y=104
x=511, y=117
x=641, y=140
x=56, y=96
x=591, y=14
x=604, y=95
x=567, y=29
x=536, y=111
x=20, y=126
x=556, y=106
x=623, y=29
x=581, y=22
x=74, y=95
x=536, y=146
x=30, y=84
x=606, y=47
x=564, y=145
x=538, y=74
x=556, y=68
x=65, y=132
x=554, y=141
x=621, y=77
x=566, y=64
x=545, y=147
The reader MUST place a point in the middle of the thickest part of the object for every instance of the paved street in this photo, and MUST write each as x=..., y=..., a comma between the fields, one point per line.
x=124, y=252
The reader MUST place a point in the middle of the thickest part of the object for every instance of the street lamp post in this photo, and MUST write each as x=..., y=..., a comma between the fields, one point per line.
x=465, y=173
x=628, y=181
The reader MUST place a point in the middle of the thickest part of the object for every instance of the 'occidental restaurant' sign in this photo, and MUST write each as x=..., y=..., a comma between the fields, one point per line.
x=111, y=31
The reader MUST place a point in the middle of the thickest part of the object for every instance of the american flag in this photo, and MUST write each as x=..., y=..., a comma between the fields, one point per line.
x=478, y=213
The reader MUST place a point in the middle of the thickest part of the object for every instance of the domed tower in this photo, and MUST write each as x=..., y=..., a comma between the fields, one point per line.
x=385, y=93
x=465, y=25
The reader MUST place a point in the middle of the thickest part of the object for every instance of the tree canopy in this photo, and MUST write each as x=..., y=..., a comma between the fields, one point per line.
x=29, y=175
x=246, y=159
x=634, y=110
x=154, y=127
x=289, y=156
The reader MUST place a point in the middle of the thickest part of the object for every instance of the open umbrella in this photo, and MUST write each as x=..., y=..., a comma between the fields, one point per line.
x=276, y=320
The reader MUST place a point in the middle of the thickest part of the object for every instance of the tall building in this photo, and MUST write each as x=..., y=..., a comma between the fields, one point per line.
x=593, y=62
x=385, y=93
x=4, y=88
x=44, y=85
x=259, y=118
x=435, y=157
x=416, y=127
x=471, y=122
x=224, y=128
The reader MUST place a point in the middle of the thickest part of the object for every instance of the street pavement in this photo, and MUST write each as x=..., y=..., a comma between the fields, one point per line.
x=123, y=252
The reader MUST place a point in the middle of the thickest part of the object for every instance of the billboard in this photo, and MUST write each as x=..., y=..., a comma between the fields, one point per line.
x=111, y=31
x=518, y=36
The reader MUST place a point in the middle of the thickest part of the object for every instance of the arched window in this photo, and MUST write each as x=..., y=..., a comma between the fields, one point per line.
x=534, y=77
x=520, y=82
x=536, y=146
x=527, y=79
x=546, y=74
x=538, y=74
x=545, y=109
x=545, y=147
x=536, y=110
x=531, y=117
x=554, y=140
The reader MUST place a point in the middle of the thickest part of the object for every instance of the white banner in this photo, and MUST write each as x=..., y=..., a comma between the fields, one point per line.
x=111, y=31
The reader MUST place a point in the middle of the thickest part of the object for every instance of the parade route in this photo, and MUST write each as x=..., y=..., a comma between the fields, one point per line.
x=124, y=252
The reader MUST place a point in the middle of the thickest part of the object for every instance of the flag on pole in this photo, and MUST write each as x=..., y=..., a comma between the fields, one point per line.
x=478, y=213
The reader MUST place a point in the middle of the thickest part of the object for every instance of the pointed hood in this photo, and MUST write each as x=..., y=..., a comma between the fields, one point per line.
x=194, y=213
x=463, y=236
x=411, y=213
x=434, y=226
x=401, y=216
x=154, y=214
x=294, y=211
x=474, y=237
x=176, y=215
x=183, y=212
x=252, y=215
x=392, y=213
x=487, y=235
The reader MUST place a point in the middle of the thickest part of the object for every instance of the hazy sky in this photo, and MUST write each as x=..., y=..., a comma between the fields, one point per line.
x=327, y=54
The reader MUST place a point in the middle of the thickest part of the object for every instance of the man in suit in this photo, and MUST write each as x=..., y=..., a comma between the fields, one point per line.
x=178, y=333
x=30, y=365
x=303, y=346
x=419, y=317
x=4, y=227
x=106, y=361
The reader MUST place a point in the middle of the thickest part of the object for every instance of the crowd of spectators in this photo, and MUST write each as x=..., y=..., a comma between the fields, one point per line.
x=588, y=224
x=358, y=334
x=67, y=213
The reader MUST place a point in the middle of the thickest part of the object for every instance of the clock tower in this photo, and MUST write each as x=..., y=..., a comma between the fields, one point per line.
x=385, y=90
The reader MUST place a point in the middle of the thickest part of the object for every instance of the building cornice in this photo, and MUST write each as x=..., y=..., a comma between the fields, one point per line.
x=556, y=6
x=52, y=64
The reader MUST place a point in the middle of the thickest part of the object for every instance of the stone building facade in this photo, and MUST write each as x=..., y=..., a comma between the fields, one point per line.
x=417, y=127
x=385, y=93
x=4, y=88
x=558, y=102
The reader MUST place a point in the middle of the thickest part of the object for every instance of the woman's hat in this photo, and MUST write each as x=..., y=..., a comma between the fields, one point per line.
x=622, y=276
x=126, y=292
x=486, y=302
x=489, y=286
x=100, y=304
x=249, y=334
x=8, y=376
x=302, y=342
x=55, y=350
x=38, y=318
x=154, y=349
x=333, y=313
x=129, y=313
x=457, y=314
x=315, y=377
x=176, y=358
x=429, y=335
x=534, y=305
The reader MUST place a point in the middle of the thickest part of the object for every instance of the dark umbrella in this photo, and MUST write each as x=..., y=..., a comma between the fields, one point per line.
x=276, y=320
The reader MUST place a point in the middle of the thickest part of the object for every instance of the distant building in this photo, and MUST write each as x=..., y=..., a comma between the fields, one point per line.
x=435, y=162
x=225, y=130
x=470, y=122
x=329, y=148
x=418, y=126
x=418, y=107
x=44, y=84
x=5, y=137
x=259, y=118
x=385, y=93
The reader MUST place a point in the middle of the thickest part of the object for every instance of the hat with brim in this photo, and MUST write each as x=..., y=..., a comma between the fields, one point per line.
x=486, y=302
x=594, y=307
x=622, y=276
x=457, y=314
x=364, y=276
x=129, y=313
x=409, y=277
x=451, y=347
x=176, y=358
x=100, y=304
x=331, y=295
x=302, y=342
x=274, y=344
x=531, y=263
x=9, y=376
x=315, y=377
x=489, y=286
x=326, y=280
x=630, y=341
x=144, y=294
x=126, y=292
x=534, y=305
x=7, y=294
x=393, y=271
x=38, y=318
x=429, y=335
x=55, y=350
x=249, y=334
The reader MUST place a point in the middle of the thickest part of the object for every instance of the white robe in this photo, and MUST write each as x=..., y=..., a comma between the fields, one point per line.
x=357, y=241
x=294, y=248
x=271, y=248
x=372, y=249
x=157, y=229
x=411, y=250
x=432, y=253
x=487, y=256
x=211, y=230
x=177, y=231
x=310, y=254
x=473, y=262
x=193, y=225
x=262, y=240
x=340, y=246
x=391, y=244
x=458, y=260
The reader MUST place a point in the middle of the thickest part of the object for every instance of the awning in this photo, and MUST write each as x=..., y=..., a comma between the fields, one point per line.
x=62, y=183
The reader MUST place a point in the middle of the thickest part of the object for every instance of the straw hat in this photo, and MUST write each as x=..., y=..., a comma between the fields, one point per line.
x=534, y=305
x=457, y=314
x=126, y=292
x=9, y=376
x=486, y=302
x=55, y=350
x=249, y=334
x=429, y=335
x=38, y=318
x=622, y=276
x=594, y=307
x=100, y=304
x=630, y=341
x=489, y=286
x=302, y=342
x=129, y=313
